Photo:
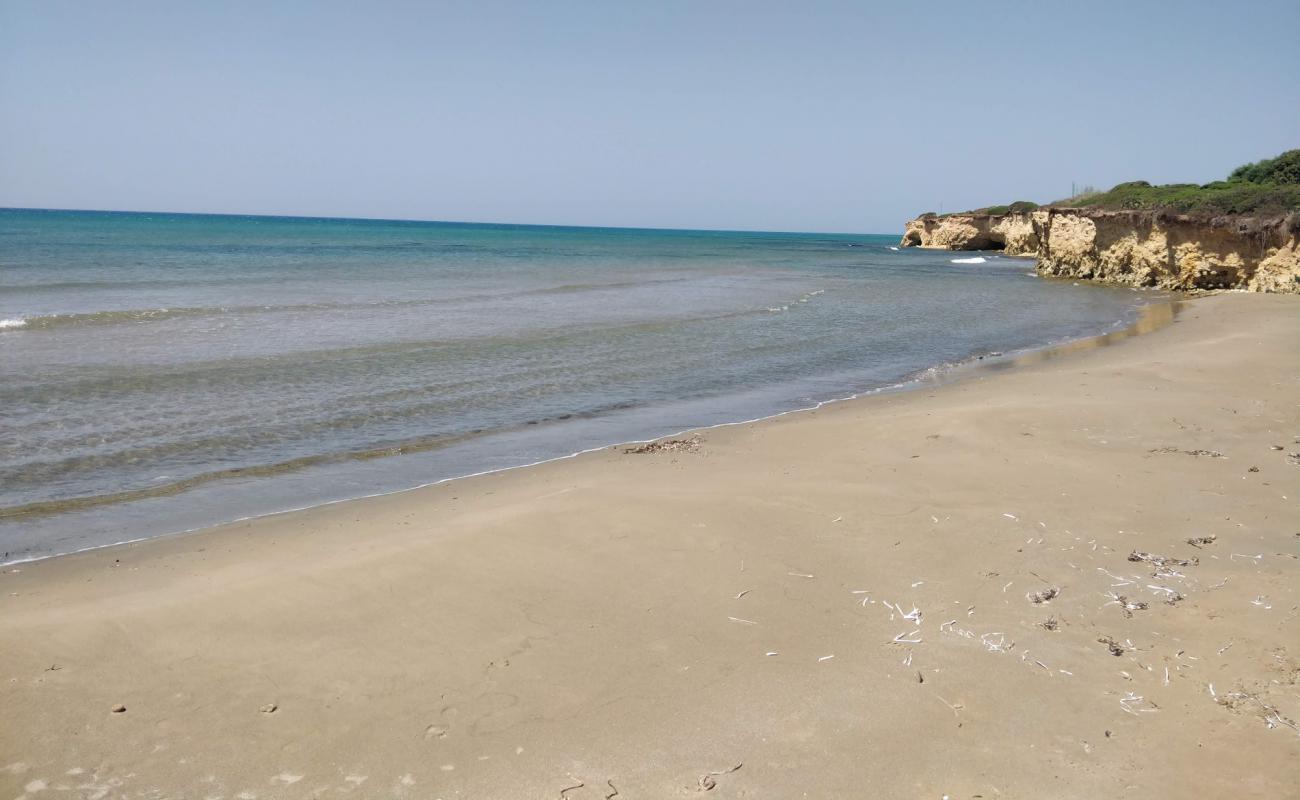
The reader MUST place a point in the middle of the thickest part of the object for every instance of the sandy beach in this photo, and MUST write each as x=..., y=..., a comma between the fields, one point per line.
x=977, y=590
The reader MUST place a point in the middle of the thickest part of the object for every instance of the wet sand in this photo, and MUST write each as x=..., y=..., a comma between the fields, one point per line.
x=837, y=603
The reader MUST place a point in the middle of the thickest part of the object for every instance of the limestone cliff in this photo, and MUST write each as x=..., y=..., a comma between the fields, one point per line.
x=1011, y=233
x=1140, y=248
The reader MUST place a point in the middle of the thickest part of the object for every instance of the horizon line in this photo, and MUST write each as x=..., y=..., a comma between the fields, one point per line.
x=441, y=221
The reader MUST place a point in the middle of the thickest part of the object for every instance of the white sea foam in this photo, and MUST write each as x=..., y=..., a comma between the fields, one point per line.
x=975, y=260
x=9, y=324
x=891, y=247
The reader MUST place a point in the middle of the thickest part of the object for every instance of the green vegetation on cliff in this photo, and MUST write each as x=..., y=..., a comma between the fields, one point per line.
x=1267, y=187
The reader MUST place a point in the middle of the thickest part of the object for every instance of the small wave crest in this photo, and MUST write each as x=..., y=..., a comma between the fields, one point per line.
x=975, y=260
x=803, y=298
x=75, y=320
x=145, y=315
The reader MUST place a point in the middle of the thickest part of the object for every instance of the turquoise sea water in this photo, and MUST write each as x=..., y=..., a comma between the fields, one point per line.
x=163, y=372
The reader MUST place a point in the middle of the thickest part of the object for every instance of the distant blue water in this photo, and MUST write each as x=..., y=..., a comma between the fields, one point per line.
x=166, y=371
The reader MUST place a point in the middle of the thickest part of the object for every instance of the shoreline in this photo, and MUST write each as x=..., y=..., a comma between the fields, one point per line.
x=1151, y=317
x=853, y=595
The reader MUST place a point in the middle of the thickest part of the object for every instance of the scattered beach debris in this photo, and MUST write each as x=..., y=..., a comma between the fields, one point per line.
x=954, y=707
x=269, y=708
x=1115, y=648
x=690, y=445
x=1171, y=596
x=999, y=646
x=1132, y=704
x=1201, y=541
x=826, y=658
x=707, y=781
x=119, y=709
x=1206, y=453
x=1043, y=596
x=1126, y=605
x=613, y=790
x=905, y=638
x=742, y=621
x=1240, y=700
x=1272, y=719
x=568, y=789
x=1050, y=624
x=800, y=575
x=1161, y=561
x=951, y=625
x=742, y=594
x=1163, y=565
x=919, y=677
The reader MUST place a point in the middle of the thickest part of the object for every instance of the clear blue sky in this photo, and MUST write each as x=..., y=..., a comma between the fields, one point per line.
x=749, y=115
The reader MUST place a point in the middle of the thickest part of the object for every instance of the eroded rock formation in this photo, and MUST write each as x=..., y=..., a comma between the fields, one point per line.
x=1011, y=233
x=1140, y=248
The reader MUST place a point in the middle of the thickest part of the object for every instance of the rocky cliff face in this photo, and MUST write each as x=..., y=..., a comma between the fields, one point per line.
x=1140, y=248
x=1012, y=233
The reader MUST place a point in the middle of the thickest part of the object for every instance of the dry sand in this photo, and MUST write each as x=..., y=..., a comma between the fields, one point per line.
x=739, y=616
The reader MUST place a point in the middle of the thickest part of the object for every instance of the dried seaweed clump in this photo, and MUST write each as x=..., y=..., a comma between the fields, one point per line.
x=1207, y=453
x=1163, y=564
x=1043, y=596
x=1129, y=606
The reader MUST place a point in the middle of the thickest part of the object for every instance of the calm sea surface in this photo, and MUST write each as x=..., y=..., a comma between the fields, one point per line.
x=162, y=372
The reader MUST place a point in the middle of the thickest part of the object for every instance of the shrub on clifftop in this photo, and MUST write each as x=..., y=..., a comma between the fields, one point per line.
x=1283, y=169
x=1264, y=188
x=1267, y=187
